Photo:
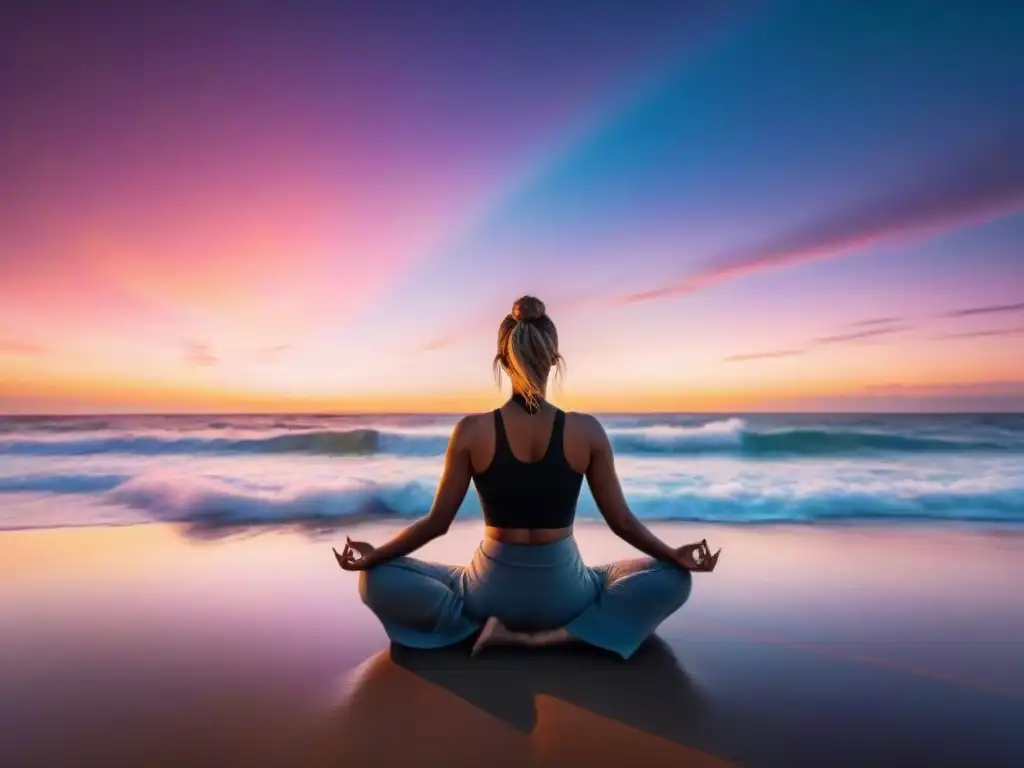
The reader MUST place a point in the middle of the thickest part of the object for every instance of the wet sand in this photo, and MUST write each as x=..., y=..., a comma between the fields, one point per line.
x=809, y=646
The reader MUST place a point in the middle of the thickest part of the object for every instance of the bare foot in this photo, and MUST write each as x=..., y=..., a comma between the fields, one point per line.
x=494, y=633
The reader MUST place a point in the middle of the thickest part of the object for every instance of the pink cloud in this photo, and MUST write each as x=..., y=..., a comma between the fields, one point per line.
x=199, y=354
x=873, y=333
x=991, y=309
x=989, y=332
x=875, y=328
x=20, y=348
x=766, y=355
x=439, y=343
x=979, y=187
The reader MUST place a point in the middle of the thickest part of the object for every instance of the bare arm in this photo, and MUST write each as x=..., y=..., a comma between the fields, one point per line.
x=607, y=491
x=450, y=492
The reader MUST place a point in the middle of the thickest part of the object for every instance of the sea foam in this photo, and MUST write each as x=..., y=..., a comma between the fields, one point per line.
x=728, y=436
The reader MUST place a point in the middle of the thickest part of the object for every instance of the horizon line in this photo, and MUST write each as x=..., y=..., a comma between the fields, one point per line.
x=763, y=412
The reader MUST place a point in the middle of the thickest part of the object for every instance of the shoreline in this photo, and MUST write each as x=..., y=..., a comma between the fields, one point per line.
x=1009, y=528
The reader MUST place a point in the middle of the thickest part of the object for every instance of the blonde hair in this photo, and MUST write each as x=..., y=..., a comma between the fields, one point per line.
x=528, y=349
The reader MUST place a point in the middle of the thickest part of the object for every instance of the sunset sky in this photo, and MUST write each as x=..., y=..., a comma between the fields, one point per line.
x=331, y=206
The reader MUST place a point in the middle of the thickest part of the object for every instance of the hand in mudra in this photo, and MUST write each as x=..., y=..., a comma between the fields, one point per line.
x=348, y=560
x=697, y=557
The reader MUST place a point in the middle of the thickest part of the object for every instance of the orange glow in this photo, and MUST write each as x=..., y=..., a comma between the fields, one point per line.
x=94, y=394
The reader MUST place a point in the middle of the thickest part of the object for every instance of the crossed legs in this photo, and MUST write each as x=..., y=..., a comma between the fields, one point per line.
x=635, y=597
x=422, y=605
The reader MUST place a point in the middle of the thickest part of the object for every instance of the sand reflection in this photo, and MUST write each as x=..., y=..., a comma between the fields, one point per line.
x=514, y=707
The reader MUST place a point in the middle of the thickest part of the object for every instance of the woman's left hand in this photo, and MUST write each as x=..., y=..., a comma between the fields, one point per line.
x=697, y=557
x=348, y=560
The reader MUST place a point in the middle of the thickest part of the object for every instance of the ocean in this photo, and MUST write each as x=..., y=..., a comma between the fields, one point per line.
x=224, y=473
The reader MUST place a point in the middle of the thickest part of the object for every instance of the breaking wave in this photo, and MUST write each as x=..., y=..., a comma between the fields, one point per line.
x=727, y=437
x=208, y=502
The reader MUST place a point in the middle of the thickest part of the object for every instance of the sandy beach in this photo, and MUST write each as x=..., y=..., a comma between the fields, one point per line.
x=153, y=645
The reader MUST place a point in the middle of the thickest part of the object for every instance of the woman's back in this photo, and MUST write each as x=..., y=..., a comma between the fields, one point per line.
x=529, y=437
x=528, y=469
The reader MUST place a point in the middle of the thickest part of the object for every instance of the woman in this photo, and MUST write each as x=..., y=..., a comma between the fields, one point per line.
x=526, y=584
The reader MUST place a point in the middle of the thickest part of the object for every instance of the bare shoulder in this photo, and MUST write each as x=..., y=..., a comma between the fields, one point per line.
x=578, y=441
x=473, y=437
x=469, y=429
x=586, y=426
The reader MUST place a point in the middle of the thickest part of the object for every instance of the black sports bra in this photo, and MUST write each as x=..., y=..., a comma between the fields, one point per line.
x=538, y=494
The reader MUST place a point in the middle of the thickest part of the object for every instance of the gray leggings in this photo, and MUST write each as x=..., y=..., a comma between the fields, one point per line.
x=528, y=588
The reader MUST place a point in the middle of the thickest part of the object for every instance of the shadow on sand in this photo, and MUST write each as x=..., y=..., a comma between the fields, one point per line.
x=515, y=707
x=651, y=691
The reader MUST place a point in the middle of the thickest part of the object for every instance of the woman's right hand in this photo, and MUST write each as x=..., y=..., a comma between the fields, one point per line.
x=697, y=557
x=348, y=560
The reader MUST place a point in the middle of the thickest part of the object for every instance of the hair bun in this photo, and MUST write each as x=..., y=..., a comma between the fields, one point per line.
x=528, y=308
